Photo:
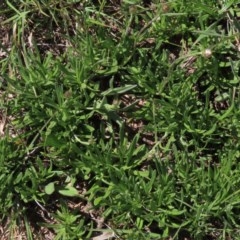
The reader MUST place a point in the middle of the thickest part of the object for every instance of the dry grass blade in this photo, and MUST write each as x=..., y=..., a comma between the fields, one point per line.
x=2, y=123
x=104, y=236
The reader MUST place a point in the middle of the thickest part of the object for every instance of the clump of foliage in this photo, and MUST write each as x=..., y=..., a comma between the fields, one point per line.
x=119, y=119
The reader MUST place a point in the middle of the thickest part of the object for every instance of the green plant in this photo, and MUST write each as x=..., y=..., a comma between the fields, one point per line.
x=120, y=118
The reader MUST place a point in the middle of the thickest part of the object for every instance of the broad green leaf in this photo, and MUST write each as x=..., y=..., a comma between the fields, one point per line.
x=50, y=188
x=53, y=141
x=144, y=174
x=134, y=70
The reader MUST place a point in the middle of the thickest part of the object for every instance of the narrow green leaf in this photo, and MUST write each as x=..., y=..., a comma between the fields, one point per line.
x=18, y=178
x=227, y=113
x=211, y=130
x=97, y=201
x=118, y=90
x=69, y=191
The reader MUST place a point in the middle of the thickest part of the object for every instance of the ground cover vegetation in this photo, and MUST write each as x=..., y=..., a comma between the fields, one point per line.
x=119, y=119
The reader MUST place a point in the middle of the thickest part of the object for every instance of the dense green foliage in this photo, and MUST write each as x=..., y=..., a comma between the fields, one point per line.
x=120, y=118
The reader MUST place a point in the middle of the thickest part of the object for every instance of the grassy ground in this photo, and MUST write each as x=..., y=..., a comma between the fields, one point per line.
x=119, y=119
